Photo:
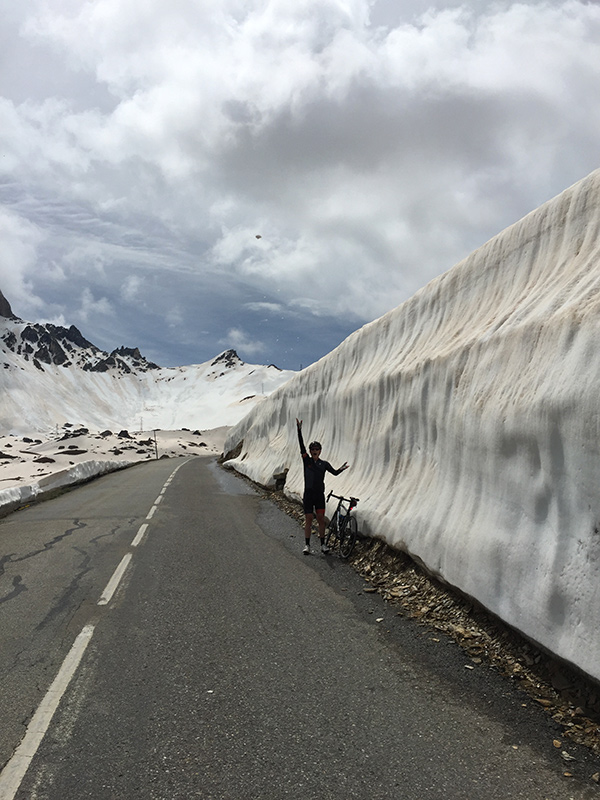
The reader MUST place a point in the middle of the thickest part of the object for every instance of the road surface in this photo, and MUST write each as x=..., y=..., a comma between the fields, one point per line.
x=219, y=663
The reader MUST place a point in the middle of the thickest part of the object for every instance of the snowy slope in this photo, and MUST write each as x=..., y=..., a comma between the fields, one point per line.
x=51, y=375
x=470, y=417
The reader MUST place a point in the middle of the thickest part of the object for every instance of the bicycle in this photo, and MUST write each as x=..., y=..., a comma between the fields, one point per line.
x=342, y=529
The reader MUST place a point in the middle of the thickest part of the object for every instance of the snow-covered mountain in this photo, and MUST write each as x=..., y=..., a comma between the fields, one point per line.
x=51, y=375
x=470, y=418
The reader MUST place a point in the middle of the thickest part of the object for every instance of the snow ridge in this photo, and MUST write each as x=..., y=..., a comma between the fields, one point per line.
x=469, y=416
x=51, y=375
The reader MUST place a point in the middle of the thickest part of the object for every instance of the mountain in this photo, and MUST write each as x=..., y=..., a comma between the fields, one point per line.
x=5, y=309
x=469, y=416
x=52, y=375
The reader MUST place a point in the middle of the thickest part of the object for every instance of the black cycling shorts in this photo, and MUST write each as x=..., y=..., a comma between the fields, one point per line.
x=313, y=500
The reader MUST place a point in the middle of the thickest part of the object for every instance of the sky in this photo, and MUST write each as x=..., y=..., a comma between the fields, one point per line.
x=270, y=175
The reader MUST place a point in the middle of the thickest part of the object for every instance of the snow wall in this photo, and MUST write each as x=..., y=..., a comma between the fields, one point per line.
x=470, y=416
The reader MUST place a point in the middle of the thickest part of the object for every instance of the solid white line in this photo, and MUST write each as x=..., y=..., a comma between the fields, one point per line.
x=111, y=586
x=139, y=535
x=14, y=771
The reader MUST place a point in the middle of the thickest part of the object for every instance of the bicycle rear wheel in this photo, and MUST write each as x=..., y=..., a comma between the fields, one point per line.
x=348, y=537
x=333, y=532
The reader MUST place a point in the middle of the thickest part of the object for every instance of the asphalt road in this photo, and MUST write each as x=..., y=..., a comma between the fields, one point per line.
x=228, y=666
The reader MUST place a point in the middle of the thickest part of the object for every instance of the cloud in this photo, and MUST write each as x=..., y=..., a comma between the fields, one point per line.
x=267, y=308
x=240, y=341
x=18, y=255
x=372, y=145
x=130, y=290
x=174, y=317
x=90, y=306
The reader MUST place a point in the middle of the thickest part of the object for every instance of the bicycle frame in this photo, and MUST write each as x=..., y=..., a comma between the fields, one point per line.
x=339, y=522
x=340, y=510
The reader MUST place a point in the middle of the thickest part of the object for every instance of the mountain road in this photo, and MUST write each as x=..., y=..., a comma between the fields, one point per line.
x=162, y=637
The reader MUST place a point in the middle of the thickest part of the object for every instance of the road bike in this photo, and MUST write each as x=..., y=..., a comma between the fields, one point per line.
x=342, y=531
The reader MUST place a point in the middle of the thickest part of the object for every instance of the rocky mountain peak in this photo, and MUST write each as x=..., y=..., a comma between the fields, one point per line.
x=227, y=359
x=53, y=344
x=5, y=309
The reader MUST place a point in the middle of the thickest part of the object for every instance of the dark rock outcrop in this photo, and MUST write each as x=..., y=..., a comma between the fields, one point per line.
x=5, y=309
x=54, y=344
x=227, y=359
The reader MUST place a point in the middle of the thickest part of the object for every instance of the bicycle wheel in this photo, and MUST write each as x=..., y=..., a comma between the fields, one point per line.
x=348, y=537
x=332, y=533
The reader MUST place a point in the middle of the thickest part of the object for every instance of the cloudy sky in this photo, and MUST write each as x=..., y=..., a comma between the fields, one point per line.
x=370, y=144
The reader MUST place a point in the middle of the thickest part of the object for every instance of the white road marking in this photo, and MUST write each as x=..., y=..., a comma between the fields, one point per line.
x=111, y=586
x=139, y=535
x=14, y=771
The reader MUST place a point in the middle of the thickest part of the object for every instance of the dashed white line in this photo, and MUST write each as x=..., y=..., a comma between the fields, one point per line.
x=14, y=771
x=139, y=535
x=111, y=586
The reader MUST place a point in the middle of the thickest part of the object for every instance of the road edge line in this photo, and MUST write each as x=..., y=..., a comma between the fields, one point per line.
x=14, y=771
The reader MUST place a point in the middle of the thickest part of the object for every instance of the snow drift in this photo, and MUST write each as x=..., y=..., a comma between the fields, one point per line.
x=51, y=375
x=16, y=496
x=470, y=416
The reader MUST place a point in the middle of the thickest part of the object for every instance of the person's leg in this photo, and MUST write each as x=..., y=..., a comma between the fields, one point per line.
x=321, y=524
x=308, y=519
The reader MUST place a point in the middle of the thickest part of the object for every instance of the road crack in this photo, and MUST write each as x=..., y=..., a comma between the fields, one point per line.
x=19, y=587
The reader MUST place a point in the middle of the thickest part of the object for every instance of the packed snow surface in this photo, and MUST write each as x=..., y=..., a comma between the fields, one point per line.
x=470, y=416
x=209, y=395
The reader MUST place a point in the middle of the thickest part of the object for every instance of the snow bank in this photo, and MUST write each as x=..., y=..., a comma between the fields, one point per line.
x=31, y=469
x=215, y=394
x=16, y=496
x=470, y=416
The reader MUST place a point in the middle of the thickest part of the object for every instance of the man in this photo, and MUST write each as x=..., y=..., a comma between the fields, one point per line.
x=314, y=488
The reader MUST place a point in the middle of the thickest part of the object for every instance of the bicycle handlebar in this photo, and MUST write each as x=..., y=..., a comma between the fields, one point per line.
x=352, y=500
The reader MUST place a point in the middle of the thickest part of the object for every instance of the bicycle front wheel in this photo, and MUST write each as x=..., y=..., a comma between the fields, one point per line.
x=348, y=537
x=332, y=533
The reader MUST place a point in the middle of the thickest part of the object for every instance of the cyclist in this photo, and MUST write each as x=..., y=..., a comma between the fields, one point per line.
x=314, y=488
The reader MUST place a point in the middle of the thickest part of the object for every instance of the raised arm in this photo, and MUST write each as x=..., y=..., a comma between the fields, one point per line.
x=300, y=439
x=333, y=471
